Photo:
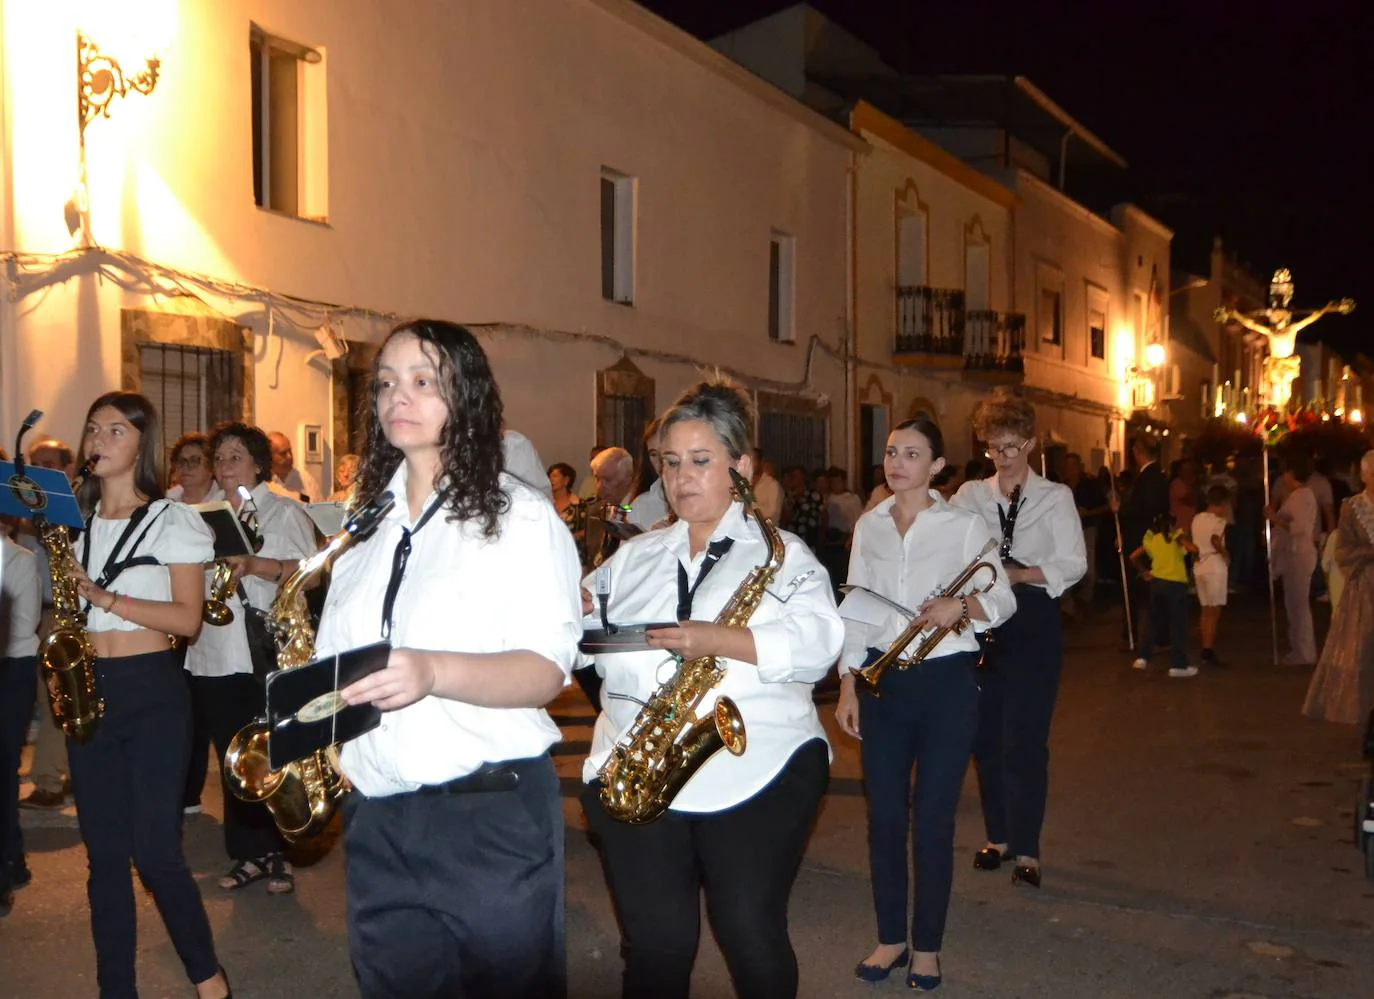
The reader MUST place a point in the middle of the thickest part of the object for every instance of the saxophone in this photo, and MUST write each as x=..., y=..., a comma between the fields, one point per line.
x=667, y=744
x=66, y=653
x=301, y=796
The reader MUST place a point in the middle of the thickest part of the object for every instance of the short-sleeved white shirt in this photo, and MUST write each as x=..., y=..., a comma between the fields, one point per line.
x=175, y=535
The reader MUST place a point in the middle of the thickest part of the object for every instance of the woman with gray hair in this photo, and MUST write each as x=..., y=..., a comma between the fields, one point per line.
x=738, y=827
x=1042, y=549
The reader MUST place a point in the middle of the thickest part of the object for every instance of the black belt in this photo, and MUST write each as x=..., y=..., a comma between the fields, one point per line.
x=488, y=778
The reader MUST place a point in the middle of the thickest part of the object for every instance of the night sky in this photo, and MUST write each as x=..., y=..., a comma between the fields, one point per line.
x=1248, y=120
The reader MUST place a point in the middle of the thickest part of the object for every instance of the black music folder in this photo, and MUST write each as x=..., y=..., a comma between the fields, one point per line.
x=223, y=520
x=620, y=638
x=305, y=712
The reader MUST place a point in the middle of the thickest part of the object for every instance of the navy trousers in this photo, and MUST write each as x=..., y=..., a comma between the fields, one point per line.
x=458, y=895
x=226, y=704
x=925, y=719
x=1015, y=707
x=746, y=858
x=128, y=783
x=17, y=682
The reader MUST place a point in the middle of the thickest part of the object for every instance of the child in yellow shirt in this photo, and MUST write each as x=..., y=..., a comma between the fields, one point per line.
x=1167, y=573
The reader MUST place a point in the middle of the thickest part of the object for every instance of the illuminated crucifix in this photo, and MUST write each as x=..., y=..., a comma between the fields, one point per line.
x=1281, y=326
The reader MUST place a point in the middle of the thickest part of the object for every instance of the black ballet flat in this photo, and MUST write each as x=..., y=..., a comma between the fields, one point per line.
x=876, y=972
x=1026, y=874
x=989, y=858
x=924, y=983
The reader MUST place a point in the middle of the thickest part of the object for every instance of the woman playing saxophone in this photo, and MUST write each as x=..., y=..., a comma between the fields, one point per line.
x=909, y=546
x=454, y=830
x=739, y=825
x=140, y=574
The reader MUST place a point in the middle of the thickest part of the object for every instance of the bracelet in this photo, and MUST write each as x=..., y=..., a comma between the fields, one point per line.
x=109, y=608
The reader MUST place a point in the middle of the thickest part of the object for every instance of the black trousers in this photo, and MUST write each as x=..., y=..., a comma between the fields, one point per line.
x=17, y=682
x=458, y=895
x=128, y=782
x=745, y=857
x=1015, y=707
x=199, y=763
x=925, y=719
x=227, y=703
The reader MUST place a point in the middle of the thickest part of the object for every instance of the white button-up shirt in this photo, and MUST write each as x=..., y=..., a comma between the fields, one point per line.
x=20, y=607
x=287, y=533
x=1048, y=534
x=649, y=507
x=461, y=593
x=797, y=633
x=909, y=569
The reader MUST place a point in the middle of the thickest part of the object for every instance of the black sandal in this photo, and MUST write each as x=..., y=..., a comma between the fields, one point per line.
x=244, y=873
x=280, y=879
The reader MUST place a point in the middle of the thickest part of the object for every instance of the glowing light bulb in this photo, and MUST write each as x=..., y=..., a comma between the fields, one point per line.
x=1241, y=418
x=1154, y=355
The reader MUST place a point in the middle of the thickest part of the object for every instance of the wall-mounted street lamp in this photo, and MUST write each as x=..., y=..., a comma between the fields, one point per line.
x=1154, y=355
x=100, y=79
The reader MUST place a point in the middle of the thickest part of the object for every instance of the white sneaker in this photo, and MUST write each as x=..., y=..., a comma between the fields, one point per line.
x=1139, y=664
x=1184, y=672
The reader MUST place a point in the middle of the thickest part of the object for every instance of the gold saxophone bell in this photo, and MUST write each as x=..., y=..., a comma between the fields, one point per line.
x=216, y=610
x=302, y=796
x=871, y=675
x=667, y=743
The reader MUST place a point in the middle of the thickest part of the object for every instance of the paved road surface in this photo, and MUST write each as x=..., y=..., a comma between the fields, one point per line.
x=1198, y=845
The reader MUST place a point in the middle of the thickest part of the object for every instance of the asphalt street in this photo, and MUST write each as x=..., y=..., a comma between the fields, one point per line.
x=1198, y=845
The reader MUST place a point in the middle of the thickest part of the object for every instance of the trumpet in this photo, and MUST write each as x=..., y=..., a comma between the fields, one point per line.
x=216, y=610
x=871, y=675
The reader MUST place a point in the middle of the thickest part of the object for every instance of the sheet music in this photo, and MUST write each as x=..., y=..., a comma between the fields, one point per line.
x=863, y=606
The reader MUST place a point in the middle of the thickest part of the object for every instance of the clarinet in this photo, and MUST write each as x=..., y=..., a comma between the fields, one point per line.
x=989, y=637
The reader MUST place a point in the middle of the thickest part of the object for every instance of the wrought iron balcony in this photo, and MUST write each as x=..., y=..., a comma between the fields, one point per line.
x=932, y=324
x=994, y=341
x=930, y=321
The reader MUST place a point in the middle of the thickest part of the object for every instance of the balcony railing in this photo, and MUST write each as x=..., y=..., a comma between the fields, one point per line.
x=933, y=322
x=994, y=341
x=930, y=321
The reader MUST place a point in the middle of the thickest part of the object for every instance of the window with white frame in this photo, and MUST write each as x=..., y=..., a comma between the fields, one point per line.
x=977, y=276
x=1051, y=317
x=782, y=272
x=617, y=237
x=290, y=126
x=911, y=246
x=1097, y=301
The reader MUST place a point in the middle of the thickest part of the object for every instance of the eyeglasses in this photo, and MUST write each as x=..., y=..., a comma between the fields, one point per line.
x=1008, y=452
x=191, y=461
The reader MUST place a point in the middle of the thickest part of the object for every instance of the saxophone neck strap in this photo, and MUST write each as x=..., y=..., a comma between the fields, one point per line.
x=714, y=551
x=398, y=565
x=114, y=566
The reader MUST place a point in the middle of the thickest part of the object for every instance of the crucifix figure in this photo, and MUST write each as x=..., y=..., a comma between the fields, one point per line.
x=1281, y=326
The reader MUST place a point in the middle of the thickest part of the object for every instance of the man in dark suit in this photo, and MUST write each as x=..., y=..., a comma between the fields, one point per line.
x=1149, y=497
